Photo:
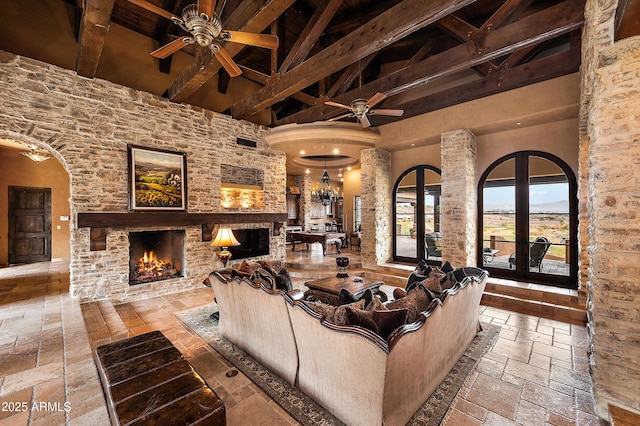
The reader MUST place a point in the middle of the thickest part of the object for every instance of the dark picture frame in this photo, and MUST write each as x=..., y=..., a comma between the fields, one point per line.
x=157, y=179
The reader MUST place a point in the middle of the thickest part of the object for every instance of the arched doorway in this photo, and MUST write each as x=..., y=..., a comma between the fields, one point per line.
x=528, y=223
x=416, y=215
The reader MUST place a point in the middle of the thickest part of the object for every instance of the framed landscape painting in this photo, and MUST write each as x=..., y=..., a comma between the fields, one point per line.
x=157, y=179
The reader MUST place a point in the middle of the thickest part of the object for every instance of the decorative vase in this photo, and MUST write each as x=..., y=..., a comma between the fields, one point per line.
x=343, y=263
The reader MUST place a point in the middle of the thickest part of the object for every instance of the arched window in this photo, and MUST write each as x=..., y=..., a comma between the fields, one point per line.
x=528, y=223
x=416, y=215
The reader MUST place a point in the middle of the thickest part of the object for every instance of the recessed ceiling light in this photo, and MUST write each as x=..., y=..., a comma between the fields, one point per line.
x=349, y=168
x=307, y=171
x=518, y=123
x=302, y=152
x=336, y=150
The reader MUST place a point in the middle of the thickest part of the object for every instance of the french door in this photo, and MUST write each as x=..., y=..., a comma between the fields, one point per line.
x=416, y=213
x=528, y=222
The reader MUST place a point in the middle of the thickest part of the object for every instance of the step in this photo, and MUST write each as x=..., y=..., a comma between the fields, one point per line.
x=556, y=303
x=103, y=322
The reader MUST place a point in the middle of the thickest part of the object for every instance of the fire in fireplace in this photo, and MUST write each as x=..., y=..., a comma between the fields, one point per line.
x=155, y=255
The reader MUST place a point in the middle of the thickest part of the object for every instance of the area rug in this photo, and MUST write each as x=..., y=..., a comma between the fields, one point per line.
x=307, y=411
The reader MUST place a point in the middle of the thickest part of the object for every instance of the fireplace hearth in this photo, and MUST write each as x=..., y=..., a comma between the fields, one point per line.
x=155, y=256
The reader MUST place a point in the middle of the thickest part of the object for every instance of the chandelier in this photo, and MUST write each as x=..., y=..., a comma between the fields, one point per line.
x=324, y=195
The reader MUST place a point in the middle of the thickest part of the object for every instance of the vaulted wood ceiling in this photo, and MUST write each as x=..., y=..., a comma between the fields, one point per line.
x=424, y=55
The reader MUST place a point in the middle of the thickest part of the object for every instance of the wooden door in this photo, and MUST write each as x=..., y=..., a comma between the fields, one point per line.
x=29, y=224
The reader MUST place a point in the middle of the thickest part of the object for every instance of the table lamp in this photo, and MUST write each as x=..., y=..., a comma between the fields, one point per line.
x=224, y=239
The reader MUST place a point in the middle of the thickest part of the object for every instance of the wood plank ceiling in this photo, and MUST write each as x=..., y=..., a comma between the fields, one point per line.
x=424, y=55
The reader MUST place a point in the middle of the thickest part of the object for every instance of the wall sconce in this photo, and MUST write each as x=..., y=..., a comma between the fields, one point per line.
x=224, y=239
x=34, y=152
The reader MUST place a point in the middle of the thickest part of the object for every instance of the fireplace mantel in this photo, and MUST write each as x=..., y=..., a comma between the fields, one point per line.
x=100, y=221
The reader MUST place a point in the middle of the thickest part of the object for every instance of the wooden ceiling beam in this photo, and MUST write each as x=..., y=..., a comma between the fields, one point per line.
x=546, y=68
x=250, y=16
x=510, y=10
x=311, y=33
x=347, y=78
x=94, y=25
x=532, y=30
x=394, y=24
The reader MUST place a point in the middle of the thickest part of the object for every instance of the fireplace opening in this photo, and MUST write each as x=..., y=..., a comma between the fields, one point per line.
x=155, y=256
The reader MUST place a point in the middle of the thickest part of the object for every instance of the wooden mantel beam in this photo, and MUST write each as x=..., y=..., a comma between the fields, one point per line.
x=140, y=219
x=385, y=29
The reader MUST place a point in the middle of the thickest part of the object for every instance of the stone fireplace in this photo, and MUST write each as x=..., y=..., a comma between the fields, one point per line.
x=156, y=256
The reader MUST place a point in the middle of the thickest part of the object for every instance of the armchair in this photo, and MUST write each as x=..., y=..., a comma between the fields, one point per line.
x=432, y=244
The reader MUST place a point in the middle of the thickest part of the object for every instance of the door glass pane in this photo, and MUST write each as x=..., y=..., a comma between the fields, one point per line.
x=433, y=237
x=406, y=217
x=548, y=218
x=499, y=218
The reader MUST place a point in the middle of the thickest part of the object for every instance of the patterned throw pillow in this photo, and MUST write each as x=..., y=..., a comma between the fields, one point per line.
x=340, y=314
x=414, y=302
x=433, y=284
x=324, y=309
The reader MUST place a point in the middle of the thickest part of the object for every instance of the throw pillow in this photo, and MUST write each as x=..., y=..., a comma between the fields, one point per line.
x=421, y=266
x=389, y=320
x=446, y=267
x=345, y=297
x=399, y=293
x=460, y=274
x=409, y=303
x=360, y=318
x=340, y=314
x=414, y=278
x=433, y=284
x=429, y=295
x=375, y=304
x=327, y=311
x=283, y=280
x=263, y=277
x=448, y=281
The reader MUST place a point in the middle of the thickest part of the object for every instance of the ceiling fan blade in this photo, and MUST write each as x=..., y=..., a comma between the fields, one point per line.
x=365, y=121
x=170, y=48
x=267, y=41
x=376, y=99
x=225, y=60
x=206, y=7
x=391, y=112
x=339, y=117
x=155, y=9
x=335, y=104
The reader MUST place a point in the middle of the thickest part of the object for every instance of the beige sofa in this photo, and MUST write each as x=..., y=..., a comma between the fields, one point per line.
x=355, y=374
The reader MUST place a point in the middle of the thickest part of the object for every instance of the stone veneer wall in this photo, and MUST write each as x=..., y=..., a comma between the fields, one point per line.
x=459, y=199
x=614, y=226
x=304, y=206
x=376, y=206
x=87, y=125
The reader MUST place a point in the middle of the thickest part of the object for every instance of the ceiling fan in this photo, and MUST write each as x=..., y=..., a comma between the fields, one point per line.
x=362, y=108
x=205, y=27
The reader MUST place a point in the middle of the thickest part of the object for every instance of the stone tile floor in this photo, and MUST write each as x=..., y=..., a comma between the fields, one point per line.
x=535, y=374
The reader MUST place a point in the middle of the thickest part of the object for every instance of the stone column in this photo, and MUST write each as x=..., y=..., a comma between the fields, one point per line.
x=614, y=227
x=376, y=206
x=459, y=200
x=304, y=208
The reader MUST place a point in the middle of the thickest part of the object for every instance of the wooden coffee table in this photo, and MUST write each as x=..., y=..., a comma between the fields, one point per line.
x=328, y=289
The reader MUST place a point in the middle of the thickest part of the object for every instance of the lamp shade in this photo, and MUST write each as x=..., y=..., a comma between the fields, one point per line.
x=225, y=238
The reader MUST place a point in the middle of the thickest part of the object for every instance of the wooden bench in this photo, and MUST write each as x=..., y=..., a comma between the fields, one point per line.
x=146, y=380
